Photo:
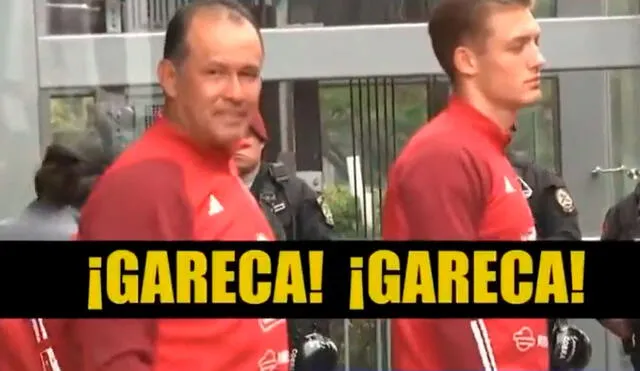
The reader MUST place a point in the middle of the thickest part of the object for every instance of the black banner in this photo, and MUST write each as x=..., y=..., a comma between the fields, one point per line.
x=333, y=280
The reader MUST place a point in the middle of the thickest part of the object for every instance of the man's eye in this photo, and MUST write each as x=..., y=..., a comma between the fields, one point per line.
x=249, y=74
x=517, y=48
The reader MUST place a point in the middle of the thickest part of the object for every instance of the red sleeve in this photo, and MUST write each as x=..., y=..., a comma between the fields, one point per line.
x=18, y=347
x=115, y=344
x=441, y=195
x=463, y=344
x=144, y=201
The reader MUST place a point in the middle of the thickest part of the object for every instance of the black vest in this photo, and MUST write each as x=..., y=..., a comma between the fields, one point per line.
x=624, y=217
x=271, y=189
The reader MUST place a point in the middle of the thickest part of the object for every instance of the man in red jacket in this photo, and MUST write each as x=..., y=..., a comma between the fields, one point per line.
x=453, y=181
x=178, y=182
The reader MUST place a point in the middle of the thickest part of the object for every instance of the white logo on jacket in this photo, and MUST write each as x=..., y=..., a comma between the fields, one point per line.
x=508, y=187
x=271, y=360
x=215, y=207
x=268, y=324
x=525, y=339
x=531, y=235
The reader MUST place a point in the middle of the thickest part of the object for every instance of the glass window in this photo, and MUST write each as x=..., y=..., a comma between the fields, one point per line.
x=538, y=132
x=352, y=12
x=625, y=130
x=63, y=17
x=72, y=114
x=76, y=16
x=546, y=8
x=622, y=7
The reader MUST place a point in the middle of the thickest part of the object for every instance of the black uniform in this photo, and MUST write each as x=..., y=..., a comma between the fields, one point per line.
x=554, y=214
x=301, y=212
x=295, y=212
x=553, y=209
x=622, y=220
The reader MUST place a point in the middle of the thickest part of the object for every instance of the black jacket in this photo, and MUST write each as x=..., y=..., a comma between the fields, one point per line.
x=622, y=220
x=551, y=204
x=301, y=211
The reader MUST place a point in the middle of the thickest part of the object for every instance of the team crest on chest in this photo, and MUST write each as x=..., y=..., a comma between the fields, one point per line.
x=326, y=211
x=565, y=201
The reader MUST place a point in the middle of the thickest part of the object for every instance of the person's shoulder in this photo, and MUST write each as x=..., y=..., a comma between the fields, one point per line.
x=144, y=178
x=629, y=200
x=544, y=176
x=437, y=151
x=278, y=171
x=547, y=177
x=520, y=160
x=290, y=181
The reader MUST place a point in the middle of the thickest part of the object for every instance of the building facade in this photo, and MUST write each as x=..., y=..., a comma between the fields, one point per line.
x=348, y=81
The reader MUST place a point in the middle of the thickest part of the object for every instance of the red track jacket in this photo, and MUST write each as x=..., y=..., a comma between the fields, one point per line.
x=162, y=188
x=454, y=182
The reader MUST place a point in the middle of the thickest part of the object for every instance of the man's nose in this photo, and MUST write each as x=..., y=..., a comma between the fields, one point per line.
x=244, y=143
x=540, y=60
x=233, y=88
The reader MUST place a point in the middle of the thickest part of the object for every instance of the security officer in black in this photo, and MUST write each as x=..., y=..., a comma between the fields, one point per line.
x=300, y=212
x=556, y=218
x=552, y=206
x=293, y=209
x=622, y=220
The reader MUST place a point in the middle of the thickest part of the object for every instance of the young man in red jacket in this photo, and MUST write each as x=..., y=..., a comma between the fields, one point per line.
x=178, y=182
x=453, y=181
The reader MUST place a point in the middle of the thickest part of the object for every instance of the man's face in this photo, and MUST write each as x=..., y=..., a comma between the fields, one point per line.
x=217, y=88
x=508, y=65
x=249, y=153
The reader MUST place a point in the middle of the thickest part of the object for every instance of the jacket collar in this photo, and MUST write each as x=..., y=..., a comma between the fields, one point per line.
x=498, y=136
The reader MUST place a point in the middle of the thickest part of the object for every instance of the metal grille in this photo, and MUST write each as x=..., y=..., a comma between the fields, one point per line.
x=149, y=15
x=366, y=122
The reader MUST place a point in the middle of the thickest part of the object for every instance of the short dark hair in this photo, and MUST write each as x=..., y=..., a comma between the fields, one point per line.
x=175, y=41
x=454, y=21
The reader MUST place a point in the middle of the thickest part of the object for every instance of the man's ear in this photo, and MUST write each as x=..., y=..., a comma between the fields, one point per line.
x=167, y=74
x=465, y=61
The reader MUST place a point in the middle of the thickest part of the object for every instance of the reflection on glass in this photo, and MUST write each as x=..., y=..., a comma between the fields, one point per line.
x=69, y=116
x=75, y=16
x=538, y=132
x=125, y=116
x=117, y=16
x=625, y=130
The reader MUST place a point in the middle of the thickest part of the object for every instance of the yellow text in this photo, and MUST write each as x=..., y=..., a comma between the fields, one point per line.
x=185, y=277
x=449, y=276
